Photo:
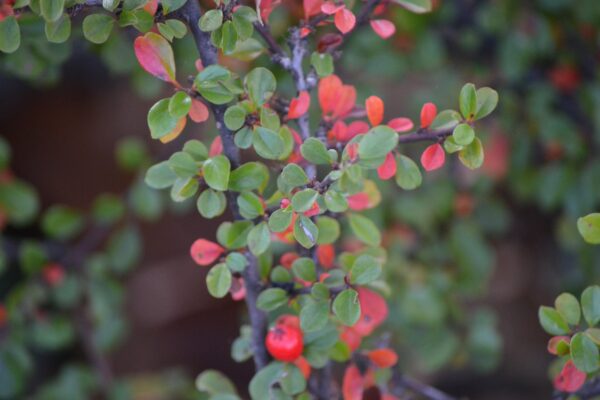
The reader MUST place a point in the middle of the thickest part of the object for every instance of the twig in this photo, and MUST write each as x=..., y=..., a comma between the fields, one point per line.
x=400, y=381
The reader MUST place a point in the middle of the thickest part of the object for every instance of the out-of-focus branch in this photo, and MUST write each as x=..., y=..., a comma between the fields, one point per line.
x=402, y=383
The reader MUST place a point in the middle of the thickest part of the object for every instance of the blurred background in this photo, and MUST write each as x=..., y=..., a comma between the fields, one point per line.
x=473, y=254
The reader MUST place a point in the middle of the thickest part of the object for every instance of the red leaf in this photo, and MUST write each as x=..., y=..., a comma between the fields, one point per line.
x=354, y=382
x=383, y=358
x=312, y=7
x=373, y=312
x=328, y=88
x=314, y=210
x=351, y=338
x=388, y=168
x=326, y=255
x=204, y=252
x=330, y=8
x=356, y=128
x=352, y=150
x=359, y=201
x=374, y=106
x=570, y=379
x=266, y=7
x=299, y=105
x=344, y=20
x=346, y=99
x=383, y=28
x=53, y=274
x=433, y=157
x=428, y=113
x=238, y=289
x=198, y=112
x=216, y=147
x=155, y=55
x=401, y=124
x=288, y=258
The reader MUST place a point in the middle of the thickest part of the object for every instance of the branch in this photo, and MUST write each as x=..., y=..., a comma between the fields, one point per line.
x=190, y=13
x=298, y=46
x=424, y=135
x=277, y=54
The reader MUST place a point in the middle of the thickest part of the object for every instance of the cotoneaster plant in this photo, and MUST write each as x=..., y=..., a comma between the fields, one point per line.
x=295, y=162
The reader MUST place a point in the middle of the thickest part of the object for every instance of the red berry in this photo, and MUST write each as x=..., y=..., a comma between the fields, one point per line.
x=284, y=342
x=53, y=274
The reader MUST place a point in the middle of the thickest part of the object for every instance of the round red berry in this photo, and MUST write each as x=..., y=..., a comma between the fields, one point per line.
x=284, y=342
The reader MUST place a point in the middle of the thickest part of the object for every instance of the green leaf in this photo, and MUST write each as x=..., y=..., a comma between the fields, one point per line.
x=177, y=27
x=304, y=199
x=590, y=304
x=160, y=120
x=323, y=63
x=472, y=156
x=267, y=143
x=52, y=333
x=184, y=188
x=365, y=270
x=487, y=100
x=335, y=201
x=250, y=205
x=280, y=220
x=259, y=239
x=218, y=280
x=584, y=353
x=131, y=154
x=234, y=235
x=236, y=262
x=261, y=84
x=261, y=384
x=216, y=172
x=108, y=209
x=183, y=165
x=304, y=268
x=32, y=257
x=377, y=143
x=463, y=135
x=58, y=31
x=171, y=5
x=160, y=176
x=446, y=119
x=110, y=5
x=416, y=6
x=97, y=27
x=468, y=101
x=250, y=176
x=346, y=307
x=62, y=223
x=211, y=203
x=235, y=117
x=214, y=382
x=305, y=232
x=243, y=18
x=51, y=10
x=329, y=230
x=292, y=382
x=180, y=104
x=552, y=321
x=293, y=176
x=211, y=20
x=19, y=201
x=589, y=228
x=568, y=307
x=228, y=37
x=364, y=229
x=10, y=35
x=196, y=149
x=145, y=203
x=124, y=249
x=314, y=316
x=271, y=299
x=314, y=151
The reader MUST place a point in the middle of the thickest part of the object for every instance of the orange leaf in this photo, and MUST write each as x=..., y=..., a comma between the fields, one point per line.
x=433, y=157
x=373, y=312
x=353, y=385
x=345, y=101
x=328, y=88
x=344, y=20
x=375, y=107
x=175, y=132
x=287, y=259
x=401, y=124
x=312, y=7
x=351, y=338
x=570, y=379
x=155, y=55
x=303, y=366
x=428, y=113
x=216, y=147
x=198, y=112
x=204, y=252
x=314, y=210
x=383, y=358
x=299, y=105
x=151, y=7
x=388, y=168
x=326, y=255
x=383, y=28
